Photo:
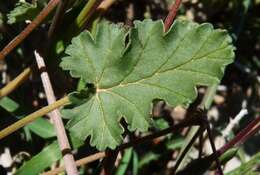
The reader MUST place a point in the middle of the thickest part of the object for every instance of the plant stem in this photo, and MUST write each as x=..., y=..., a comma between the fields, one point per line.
x=36, y=22
x=31, y=117
x=244, y=134
x=86, y=12
x=208, y=97
x=233, y=122
x=171, y=15
x=57, y=18
x=102, y=8
x=200, y=145
x=96, y=156
x=185, y=150
x=14, y=84
x=213, y=147
x=204, y=105
x=82, y=18
x=55, y=115
x=79, y=162
x=105, y=5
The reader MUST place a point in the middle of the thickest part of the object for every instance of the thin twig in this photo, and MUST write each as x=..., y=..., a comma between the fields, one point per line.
x=15, y=83
x=203, y=106
x=200, y=145
x=244, y=134
x=87, y=12
x=79, y=162
x=234, y=122
x=171, y=15
x=174, y=128
x=36, y=22
x=213, y=147
x=55, y=115
x=59, y=14
x=186, y=149
x=105, y=5
x=96, y=156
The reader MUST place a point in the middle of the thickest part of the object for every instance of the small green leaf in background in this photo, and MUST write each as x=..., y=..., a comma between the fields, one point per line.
x=161, y=123
x=41, y=161
x=8, y=104
x=24, y=11
x=128, y=76
x=42, y=128
x=175, y=142
x=125, y=161
x=147, y=158
x=248, y=168
x=135, y=163
x=47, y=157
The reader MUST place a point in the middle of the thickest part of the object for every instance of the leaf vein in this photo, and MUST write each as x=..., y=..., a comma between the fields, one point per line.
x=104, y=118
x=124, y=98
x=139, y=55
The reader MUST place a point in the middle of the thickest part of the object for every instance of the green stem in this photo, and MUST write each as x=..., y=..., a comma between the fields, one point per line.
x=37, y=114
x=14, y=84
x=82, y=18
x=208, y=97
x=86, y=12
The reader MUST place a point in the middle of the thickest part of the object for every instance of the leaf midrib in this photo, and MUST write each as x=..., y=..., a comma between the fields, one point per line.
x=104, y=118
x=140, y=54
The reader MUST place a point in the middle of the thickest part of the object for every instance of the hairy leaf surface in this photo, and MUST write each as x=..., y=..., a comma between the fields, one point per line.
x=130, y=69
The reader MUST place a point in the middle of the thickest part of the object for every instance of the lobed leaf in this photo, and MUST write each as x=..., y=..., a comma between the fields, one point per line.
x=129, y=69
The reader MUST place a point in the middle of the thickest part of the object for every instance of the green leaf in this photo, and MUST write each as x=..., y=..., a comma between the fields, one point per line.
x=248, y=168
x=135, y=163
x=124, y=163
x=161, y=124
x=175, y=143
x=147, y=158
x=23, y=11
x=47, y=157
x=8, y=104
x=129, y=73
x=42, y=128
x=41, y=161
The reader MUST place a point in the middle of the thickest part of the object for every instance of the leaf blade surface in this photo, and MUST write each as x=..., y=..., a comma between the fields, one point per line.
x=129, y=76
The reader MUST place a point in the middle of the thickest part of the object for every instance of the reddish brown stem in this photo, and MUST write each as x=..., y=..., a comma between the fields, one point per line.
x=244, y=134
x=171, y=15
x=213, y=147
x=36, y=22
